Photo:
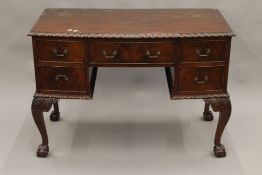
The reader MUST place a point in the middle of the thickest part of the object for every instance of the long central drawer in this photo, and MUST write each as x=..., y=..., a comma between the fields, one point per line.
x=132, y=52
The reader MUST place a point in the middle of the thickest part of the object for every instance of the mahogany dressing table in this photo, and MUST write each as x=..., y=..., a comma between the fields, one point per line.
x=192, y=45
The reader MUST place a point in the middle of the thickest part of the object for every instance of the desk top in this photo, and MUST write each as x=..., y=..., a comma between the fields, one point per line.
x=131, y=23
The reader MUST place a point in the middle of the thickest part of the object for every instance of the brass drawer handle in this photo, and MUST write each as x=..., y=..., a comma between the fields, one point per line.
x=64, y=53
x=64, y=77
x=113, y=55
x=198, y=81
x=150, y=55
x=203, y=52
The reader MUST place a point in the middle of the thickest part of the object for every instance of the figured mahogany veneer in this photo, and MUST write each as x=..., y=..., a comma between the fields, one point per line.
x=203, y=50
x=132, y=52
x=62, y=80
x=193, y=45
x=61, y=50
x=200, y=79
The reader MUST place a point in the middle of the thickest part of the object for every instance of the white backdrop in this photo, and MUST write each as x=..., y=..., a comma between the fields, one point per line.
x=139, y=130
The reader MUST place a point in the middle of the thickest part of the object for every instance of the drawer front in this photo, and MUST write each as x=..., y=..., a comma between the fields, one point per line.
x=203, y=50
x=61, y=79
x=143, y=52
x=201, y=78
x=60, y=50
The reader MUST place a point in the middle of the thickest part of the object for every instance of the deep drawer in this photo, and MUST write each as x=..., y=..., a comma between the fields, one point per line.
x=190, y=79
x=60, y=50
x=132, y=52
x=61, y=79
x=202, y=50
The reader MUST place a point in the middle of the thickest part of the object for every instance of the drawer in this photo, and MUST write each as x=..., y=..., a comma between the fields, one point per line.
x=60, y=50
x=132, y=52
x=203, y=50
x=200, y=78
x=61, y=79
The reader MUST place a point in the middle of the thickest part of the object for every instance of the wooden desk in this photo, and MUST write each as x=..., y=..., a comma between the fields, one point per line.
x=193, y=45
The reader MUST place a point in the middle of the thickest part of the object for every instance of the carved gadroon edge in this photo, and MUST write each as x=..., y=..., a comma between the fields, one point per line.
x=181, y=97
x=134, y=35
x=56, y=96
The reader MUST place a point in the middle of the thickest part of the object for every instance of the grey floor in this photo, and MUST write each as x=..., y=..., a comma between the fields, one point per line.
x=131, y=126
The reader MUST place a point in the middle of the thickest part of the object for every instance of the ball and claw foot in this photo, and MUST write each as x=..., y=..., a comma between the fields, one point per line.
x=219, y=150
x=208, y=116
x=42, y=150
x=54, y=116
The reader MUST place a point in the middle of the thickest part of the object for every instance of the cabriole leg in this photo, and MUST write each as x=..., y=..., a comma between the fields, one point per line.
x=207, y=114
x=223, y=106
x=55, y=114
x=40, y=105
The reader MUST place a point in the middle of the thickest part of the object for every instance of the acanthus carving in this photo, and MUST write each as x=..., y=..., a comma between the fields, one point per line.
x=42, y=104
x=220, y=104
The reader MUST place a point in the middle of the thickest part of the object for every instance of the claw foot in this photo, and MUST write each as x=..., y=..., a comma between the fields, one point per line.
x=54, y=116
x=42, y=150
x=219, y=151
x=208, y=116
